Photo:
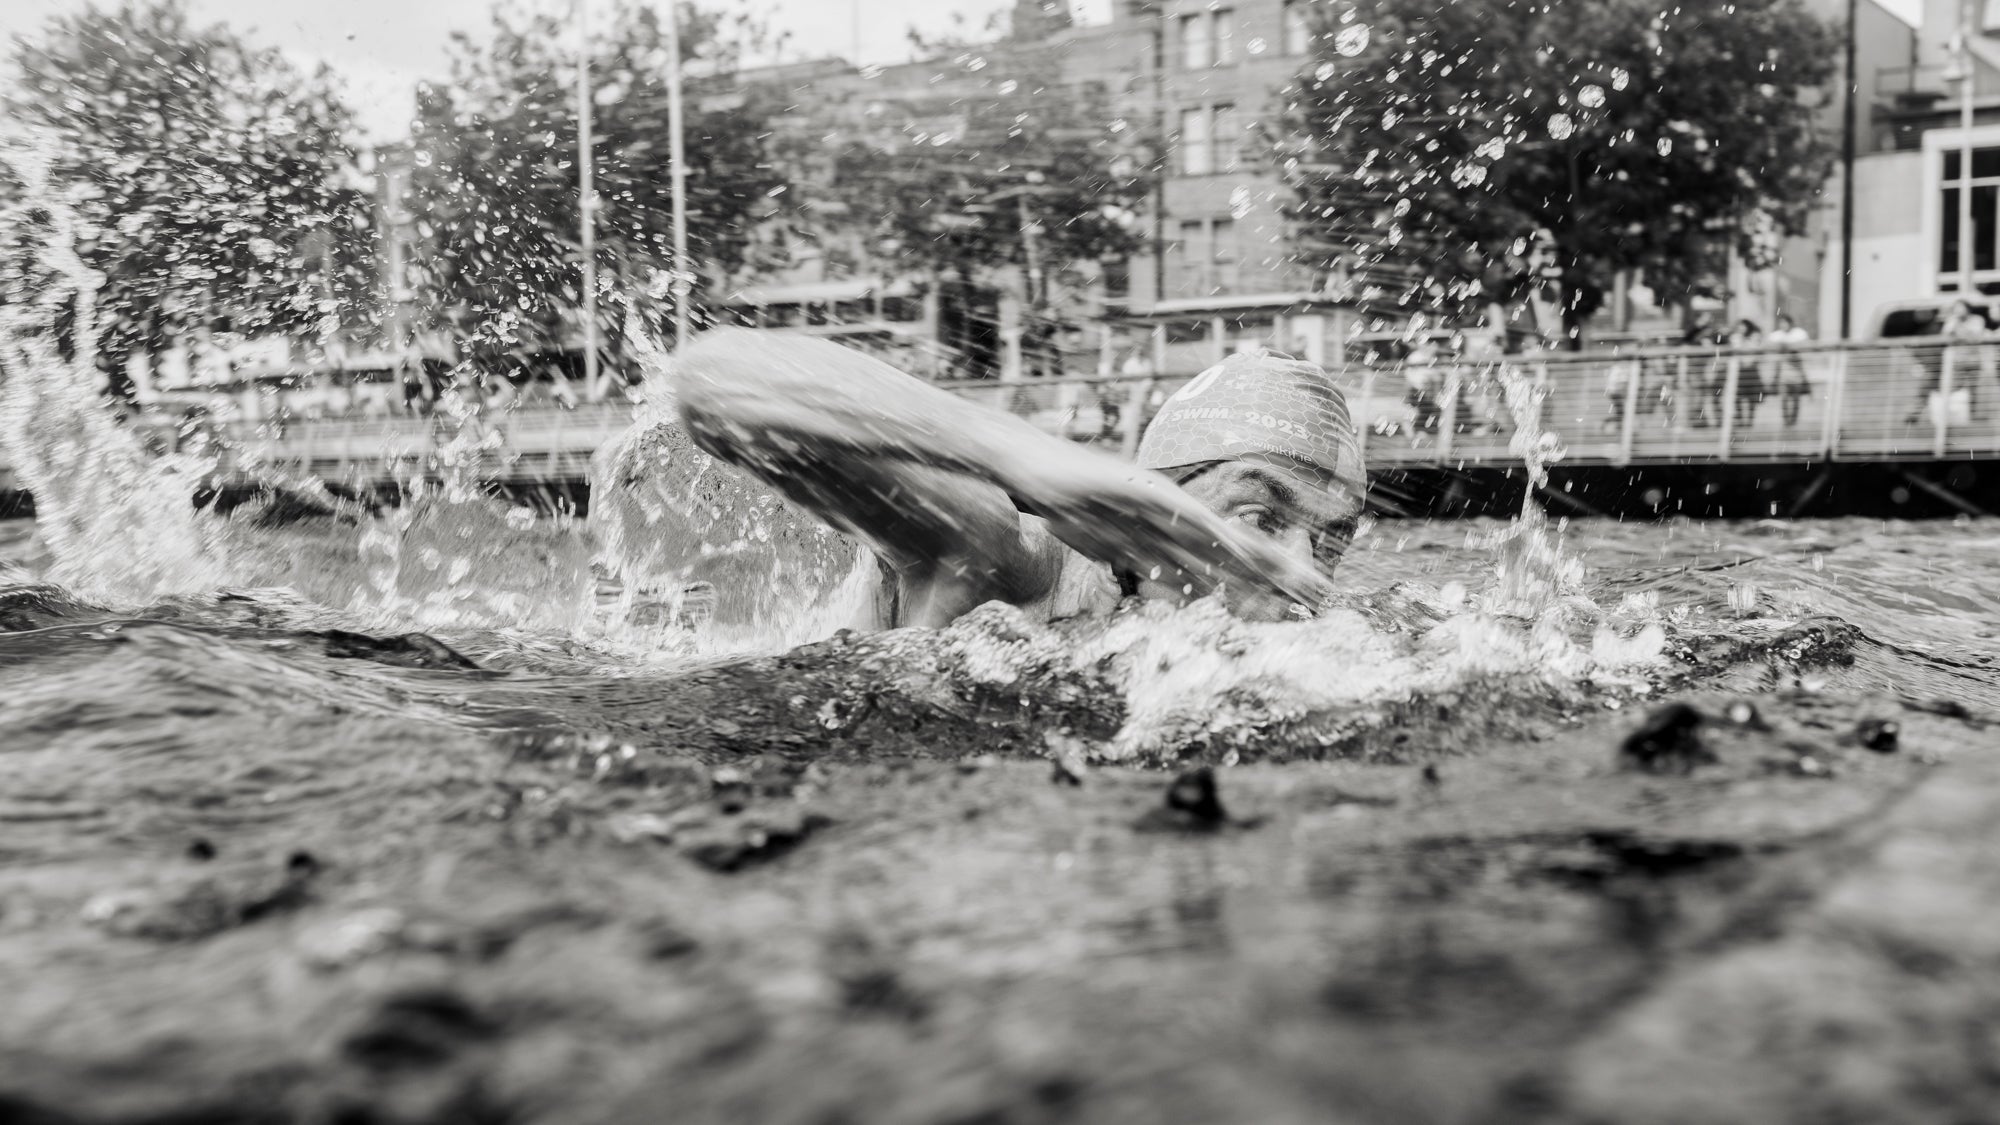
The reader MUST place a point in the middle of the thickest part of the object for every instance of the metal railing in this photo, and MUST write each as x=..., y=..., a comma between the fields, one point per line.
x=1916, y=399
x=1924, y=398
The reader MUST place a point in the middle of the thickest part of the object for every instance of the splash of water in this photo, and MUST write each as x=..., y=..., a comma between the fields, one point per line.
x=1532, y=573
x=118, y=521
x=708, y=557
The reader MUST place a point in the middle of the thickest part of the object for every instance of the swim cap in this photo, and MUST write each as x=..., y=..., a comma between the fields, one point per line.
x=1264, y=405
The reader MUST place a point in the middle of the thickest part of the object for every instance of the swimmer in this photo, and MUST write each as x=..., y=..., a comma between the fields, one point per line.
x=1249, y=481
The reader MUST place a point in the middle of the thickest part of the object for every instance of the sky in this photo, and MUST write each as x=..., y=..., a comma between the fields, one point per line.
x=382, y=48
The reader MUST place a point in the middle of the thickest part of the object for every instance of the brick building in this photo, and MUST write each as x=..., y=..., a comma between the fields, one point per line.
x=1214, y=270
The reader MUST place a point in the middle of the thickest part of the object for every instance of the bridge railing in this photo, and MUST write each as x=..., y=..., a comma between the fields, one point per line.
x=1920, y=398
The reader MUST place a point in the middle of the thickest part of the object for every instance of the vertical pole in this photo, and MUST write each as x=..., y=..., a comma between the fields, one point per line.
x=1160, y=348
x=1031, y=253
x=1158, y=63
x=1629, y=425
x=1447, y=415
x=1011, y=368
x=1965, y=150
x=1730, y=380
x=1363, y=422
x=1847, y=143
x=1941, y=424
x=677, y=157
x=1836, y=396
x=586, y=198
x=1681, y=392
x=1135, y=415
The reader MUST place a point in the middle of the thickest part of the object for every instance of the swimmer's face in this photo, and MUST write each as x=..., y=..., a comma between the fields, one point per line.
x=1312, y=525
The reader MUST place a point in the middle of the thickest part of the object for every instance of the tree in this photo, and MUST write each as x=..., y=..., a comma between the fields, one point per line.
x=1432, y=144
x=212, y=182
x=1003, y=168
x=496, y=185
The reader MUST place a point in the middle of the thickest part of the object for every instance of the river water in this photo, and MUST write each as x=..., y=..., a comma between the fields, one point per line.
x=1427, y=616
x=427, y=814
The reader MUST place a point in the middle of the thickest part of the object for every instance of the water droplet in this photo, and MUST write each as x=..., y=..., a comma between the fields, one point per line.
x=1324, y=72
x=1665, y=145
x=1008, y=87
x=1352, y=40
x=1560, y=126
x=1590, y=97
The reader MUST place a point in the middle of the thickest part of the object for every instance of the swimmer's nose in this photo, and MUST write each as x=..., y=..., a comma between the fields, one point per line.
x=1296, y=543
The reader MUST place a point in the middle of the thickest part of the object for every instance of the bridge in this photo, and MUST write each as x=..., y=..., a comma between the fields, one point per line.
x=1915, y=403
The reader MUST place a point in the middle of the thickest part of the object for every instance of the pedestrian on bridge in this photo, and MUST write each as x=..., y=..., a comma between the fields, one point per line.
x=1748, y=363
x=1792, y=384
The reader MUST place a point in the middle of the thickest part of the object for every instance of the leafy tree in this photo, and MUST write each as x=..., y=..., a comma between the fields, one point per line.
x=213, y=182
x=1429, y=141
x=1007, y=173
x=495, y=177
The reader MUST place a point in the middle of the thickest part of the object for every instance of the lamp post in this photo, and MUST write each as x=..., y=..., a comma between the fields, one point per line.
x=678, y=173
x=1847, y=131
x=586, y=192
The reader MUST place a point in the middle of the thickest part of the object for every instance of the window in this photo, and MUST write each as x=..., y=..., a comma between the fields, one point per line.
x=1985, y=187
x=1210, y=138
x=1117, y=279
x=1208, y=39
x=1204, y=257
x=1188, y=251
x=1222, y=256
x=1197, y=142
x=1298, y=27
x=1225, y=139
x=1197, y=46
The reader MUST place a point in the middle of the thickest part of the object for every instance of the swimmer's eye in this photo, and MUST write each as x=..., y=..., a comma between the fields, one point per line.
x=1260, y=517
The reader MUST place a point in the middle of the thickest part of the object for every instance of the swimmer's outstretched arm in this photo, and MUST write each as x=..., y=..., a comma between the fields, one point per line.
x=922, y=473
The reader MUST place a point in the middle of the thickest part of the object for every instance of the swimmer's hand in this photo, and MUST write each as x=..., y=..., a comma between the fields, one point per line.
x=829, y=426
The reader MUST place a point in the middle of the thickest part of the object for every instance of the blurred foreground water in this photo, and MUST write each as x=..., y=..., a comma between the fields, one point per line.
x=276, y=858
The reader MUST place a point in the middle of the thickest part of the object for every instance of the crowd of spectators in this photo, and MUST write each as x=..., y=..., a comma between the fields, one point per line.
x=1735, y=369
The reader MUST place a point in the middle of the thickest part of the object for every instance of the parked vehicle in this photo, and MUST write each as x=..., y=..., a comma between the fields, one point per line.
x=1925, y=316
